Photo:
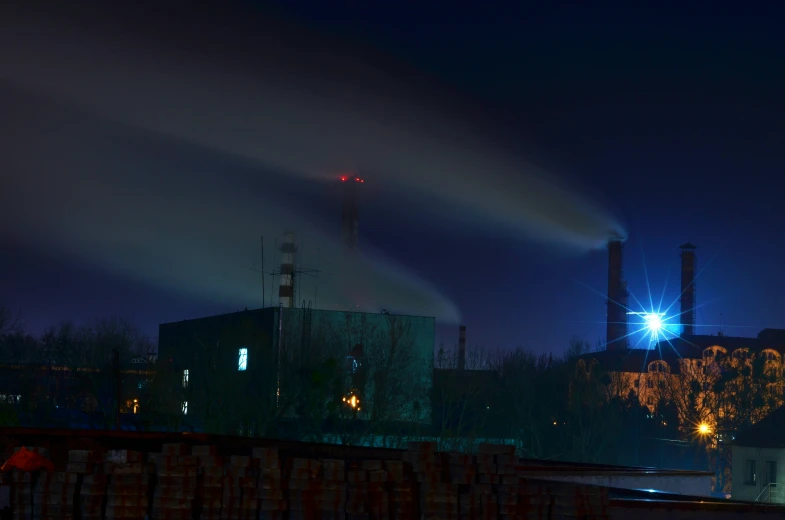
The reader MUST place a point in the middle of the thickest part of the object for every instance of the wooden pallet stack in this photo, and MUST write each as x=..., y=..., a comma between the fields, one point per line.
x=306, y=492
x=92, y=487
x=437, y=498
x=243, y=480
x=21, y=495
x=232, y=492
x=209, y=490
x=525, y=500
x=367, y=497
x=480, y=503
x=21, y=492
x=127, y=491
x=272, y=505
x=175, y=482
x=400, y=491
x=462, y=471
x=54, y=496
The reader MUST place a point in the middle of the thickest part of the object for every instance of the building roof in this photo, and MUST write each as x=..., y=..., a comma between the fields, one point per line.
x=688, y=347
x=769, y=432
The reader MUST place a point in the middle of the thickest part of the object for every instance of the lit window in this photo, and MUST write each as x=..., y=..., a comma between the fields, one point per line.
x=242, y=359
x=185, y=407
x=185, y=378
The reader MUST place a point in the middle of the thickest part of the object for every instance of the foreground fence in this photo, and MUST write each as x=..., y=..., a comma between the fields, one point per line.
x=184, y=482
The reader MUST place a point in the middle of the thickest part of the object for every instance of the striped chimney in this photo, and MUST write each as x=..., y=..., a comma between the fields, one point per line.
x=288, y=253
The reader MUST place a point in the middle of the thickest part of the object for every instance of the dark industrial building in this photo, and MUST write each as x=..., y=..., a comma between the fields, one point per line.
x=245, y=370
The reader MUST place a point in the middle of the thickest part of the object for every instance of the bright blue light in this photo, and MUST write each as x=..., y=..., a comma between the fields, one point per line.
x=654, y=327
x=653, y=322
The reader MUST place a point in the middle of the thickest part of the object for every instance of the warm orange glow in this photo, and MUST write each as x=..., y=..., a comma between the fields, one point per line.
x=704, y=429
x=352, y=402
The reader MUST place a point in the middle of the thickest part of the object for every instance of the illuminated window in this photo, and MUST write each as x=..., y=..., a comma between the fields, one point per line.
x=242, y=359
x=10, y=398
x=185, y=407
x=185, y=378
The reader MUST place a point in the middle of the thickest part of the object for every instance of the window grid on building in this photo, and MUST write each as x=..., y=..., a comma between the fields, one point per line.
x=185, y=378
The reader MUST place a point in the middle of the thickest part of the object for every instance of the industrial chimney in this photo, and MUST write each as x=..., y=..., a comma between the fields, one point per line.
x=350, y=215
x=616, y=336
x=288, y=253
x=687, y=298
x=462, y=347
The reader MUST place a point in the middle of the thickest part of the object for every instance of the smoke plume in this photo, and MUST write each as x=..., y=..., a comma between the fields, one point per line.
x=250, y=87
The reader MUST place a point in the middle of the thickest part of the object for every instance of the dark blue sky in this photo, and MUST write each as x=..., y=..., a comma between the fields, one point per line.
x=674, y=116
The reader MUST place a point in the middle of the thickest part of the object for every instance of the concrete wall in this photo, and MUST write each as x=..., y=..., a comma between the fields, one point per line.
x=744, y=490
x=680, y=483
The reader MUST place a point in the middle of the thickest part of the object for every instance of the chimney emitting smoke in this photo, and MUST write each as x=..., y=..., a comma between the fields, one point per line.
x=616, y=335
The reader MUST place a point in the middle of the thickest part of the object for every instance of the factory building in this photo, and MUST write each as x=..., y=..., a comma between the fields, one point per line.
x=244, y=370
x=687, y=369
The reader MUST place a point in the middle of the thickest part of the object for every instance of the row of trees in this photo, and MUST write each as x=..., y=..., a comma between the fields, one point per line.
x=566, y=408
x=67, y=367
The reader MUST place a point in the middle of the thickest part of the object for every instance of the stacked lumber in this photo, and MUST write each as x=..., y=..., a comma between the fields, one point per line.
x=437, y=498
x=209, y=490
x=238, y=502
x=21, y=495
x=269, y=491
x=92, y=488
x=54, y=496
x=127, y=491
x=175, y=483
x=475, y=501
x=402, y=490
x=367, y=497
x=314, y=497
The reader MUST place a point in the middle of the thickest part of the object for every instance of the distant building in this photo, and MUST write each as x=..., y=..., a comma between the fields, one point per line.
x=758, y=461
x=38, y=394
x=672, y=370
x=239, y=372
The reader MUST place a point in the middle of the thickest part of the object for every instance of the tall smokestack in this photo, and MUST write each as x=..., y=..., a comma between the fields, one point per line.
x=462, y=347
x=616, y=336
x=350, y=215
x=687, y=289
x=288, y=253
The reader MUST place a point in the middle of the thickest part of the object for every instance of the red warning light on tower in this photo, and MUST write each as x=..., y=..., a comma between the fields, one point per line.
x=343, y=178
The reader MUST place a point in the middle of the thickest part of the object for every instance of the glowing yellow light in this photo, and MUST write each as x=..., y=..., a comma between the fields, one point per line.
x=352, y=401
x=704, y=429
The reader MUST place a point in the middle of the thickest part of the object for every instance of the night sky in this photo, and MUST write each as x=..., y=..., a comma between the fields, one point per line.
x=669, y=118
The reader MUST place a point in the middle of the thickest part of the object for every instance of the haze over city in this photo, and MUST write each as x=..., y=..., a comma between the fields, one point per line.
x=143, y=160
